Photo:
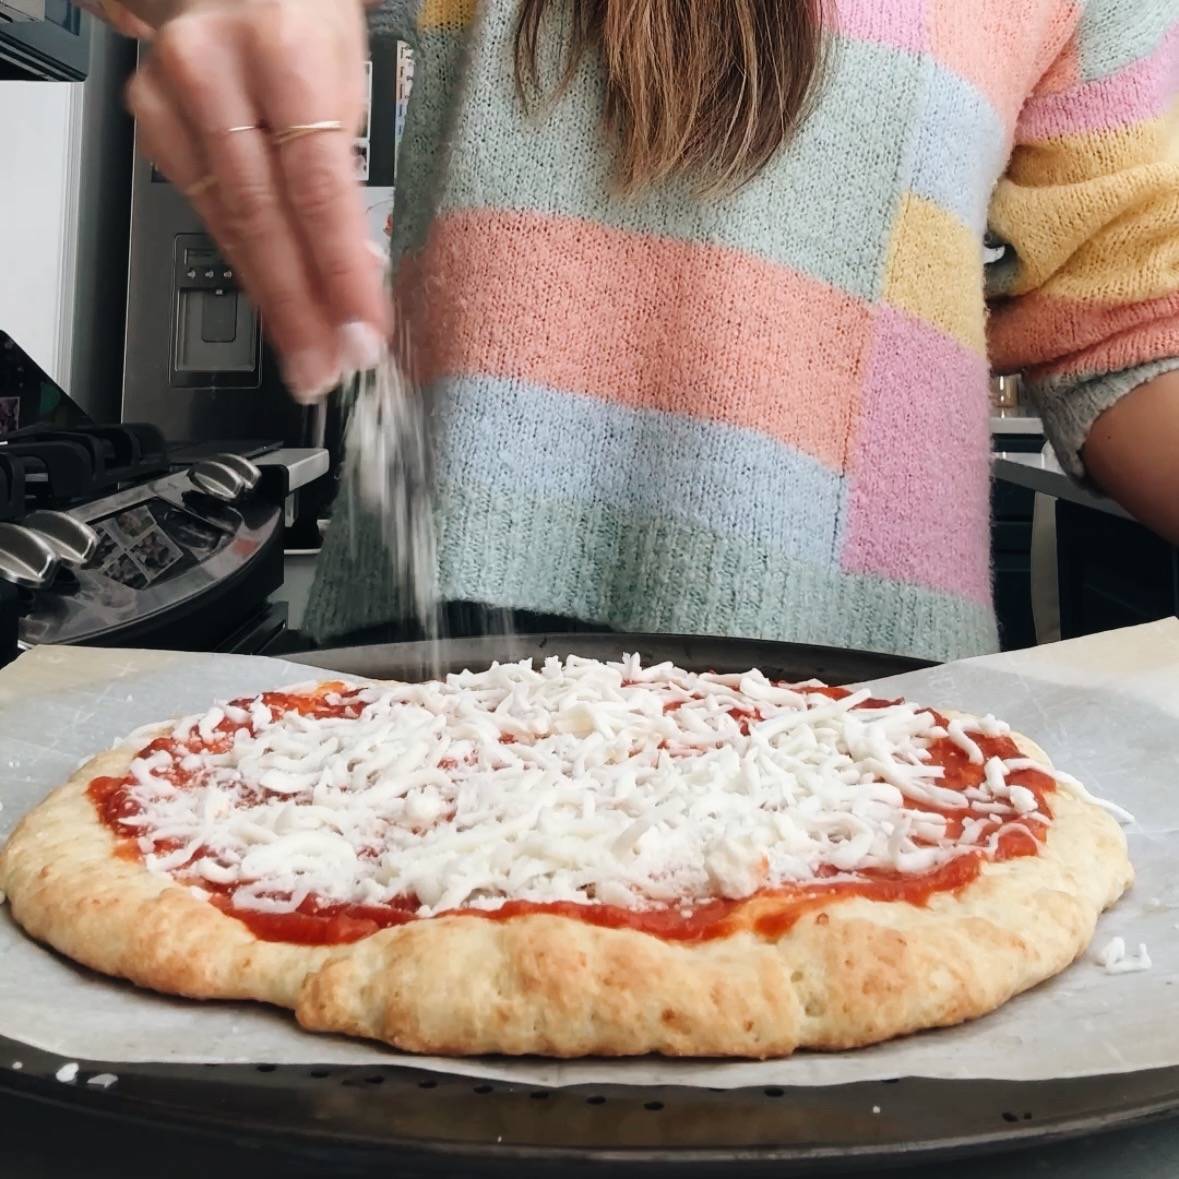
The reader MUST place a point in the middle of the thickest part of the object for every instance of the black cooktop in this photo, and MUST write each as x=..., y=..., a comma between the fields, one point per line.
x=173, y=559
x=51, y=454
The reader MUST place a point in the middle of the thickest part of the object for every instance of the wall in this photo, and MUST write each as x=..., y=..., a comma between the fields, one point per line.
x=40, y=127
x=65, y=206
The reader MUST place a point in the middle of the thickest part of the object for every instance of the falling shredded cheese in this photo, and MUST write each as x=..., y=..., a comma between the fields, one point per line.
x=578, y=781
x=387, y=470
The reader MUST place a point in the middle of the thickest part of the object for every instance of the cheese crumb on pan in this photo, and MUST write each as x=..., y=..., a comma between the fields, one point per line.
x=68, y=1073
x=1113, y=959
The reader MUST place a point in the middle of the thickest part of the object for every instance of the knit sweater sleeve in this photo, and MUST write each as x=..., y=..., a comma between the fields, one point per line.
x=1088, y=306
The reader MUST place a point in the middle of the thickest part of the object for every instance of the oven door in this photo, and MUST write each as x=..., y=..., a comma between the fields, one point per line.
x=263, y=633
x=232, y=614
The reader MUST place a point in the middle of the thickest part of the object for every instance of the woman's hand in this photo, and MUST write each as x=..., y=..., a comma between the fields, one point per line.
x=223, y=81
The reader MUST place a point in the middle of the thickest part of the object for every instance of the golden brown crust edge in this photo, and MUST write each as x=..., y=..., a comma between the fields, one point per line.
x=853, y=973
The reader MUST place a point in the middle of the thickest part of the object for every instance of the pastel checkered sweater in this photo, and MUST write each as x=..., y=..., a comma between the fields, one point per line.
x=766, y=414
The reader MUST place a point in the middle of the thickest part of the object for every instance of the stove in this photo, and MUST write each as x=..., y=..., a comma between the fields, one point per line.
x=109, y=537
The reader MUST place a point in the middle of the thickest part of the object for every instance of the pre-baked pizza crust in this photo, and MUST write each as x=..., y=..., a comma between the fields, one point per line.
x=851, y=973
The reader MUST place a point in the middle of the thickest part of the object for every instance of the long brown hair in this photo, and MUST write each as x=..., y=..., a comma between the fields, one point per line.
x=707, y=88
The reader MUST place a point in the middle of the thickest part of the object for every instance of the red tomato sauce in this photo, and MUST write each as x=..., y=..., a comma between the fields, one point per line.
x=770, y=913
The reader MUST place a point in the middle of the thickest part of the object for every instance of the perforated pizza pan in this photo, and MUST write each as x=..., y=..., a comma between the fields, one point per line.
x=428, y=1123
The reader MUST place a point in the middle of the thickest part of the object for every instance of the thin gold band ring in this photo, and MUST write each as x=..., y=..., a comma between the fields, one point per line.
x=299, y=130
x=279, y=138
x=201, y=186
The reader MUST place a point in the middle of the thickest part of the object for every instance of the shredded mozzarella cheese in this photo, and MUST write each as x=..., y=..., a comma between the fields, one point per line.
x=957, y=734
x=575, y=781
x=1113, y=959
x=1070, y=784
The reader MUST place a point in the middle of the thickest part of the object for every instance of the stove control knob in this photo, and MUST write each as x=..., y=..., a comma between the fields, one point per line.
x=74, y=541
x=26, y=559
x=250, y=472
x=216, y=479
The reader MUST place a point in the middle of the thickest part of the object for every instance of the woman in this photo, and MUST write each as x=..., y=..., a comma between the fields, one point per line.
x=698, y=288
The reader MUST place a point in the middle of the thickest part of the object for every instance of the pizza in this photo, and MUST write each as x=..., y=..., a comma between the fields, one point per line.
x=576, y=858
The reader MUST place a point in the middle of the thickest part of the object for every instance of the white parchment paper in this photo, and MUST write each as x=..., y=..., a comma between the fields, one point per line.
x=1106, y=708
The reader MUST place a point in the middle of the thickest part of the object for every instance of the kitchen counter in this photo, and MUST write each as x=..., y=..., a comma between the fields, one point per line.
x=1015, y=423
x=1043, y=473
x=1111, y=570
x=305, y=464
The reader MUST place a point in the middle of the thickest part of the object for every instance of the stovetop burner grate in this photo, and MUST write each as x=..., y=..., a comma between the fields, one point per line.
x=67, y=466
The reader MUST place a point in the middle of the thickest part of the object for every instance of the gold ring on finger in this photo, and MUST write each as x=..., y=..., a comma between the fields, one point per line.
x=201, y=186
x=299, y=130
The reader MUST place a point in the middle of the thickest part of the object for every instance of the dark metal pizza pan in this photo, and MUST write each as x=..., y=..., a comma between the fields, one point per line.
x=262, y=1119
x=781, y=660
